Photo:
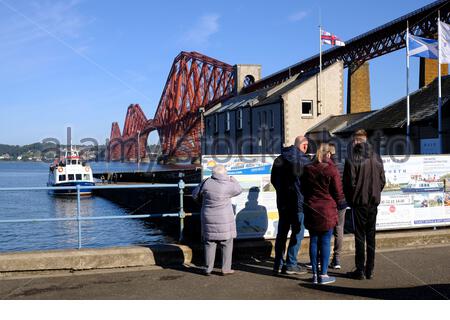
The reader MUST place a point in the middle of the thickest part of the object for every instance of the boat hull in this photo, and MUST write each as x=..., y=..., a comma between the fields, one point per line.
x=65, y=192
x=419, y=190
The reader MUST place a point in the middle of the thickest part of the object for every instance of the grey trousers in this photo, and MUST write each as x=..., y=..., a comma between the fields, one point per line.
x=210, y=254
x=339, y=236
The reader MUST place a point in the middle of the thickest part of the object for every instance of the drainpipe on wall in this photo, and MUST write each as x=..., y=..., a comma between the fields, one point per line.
x=282, y=126
x=251, y=127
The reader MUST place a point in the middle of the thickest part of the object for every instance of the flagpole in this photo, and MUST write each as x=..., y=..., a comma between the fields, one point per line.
x=319, y=104
x=408, y=115
x=440, y=85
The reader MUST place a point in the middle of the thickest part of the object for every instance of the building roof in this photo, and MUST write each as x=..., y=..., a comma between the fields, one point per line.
x=423, y=106
x=262, y=96
x=333, y=123
x=235, y=102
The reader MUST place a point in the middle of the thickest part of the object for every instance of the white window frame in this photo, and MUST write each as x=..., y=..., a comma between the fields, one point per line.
x=240, y=115
x=271, y=121
x=307, y=115
x=227, y=121
x=216, y=123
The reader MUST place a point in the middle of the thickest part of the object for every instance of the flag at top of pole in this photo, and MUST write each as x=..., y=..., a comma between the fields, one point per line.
x=422, y=47
x=444, y=42
x=331, y=39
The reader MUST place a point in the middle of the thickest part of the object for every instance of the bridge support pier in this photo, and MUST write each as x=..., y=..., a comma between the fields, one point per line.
x=358, y=89
x=429, y=71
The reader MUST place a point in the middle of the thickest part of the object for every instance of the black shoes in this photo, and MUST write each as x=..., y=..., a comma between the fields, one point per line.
x=356, y=274
x=360, y=275
x=276, y=271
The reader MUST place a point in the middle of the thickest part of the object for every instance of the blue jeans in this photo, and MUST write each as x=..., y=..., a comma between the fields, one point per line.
x=320, y=240
x=295, y=224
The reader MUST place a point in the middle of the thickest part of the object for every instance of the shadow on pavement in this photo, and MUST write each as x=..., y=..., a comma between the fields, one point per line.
x=262, y=268
x=168, y=255
x=426, y=292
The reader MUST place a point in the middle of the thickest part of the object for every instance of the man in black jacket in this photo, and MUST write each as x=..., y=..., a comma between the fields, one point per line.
x=285, y=177
x=364, y=180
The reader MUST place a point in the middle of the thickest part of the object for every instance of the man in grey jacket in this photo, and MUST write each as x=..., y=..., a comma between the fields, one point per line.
x=217, y=217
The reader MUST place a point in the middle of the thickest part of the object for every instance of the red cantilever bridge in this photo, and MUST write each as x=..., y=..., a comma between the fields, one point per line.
x=196, y=81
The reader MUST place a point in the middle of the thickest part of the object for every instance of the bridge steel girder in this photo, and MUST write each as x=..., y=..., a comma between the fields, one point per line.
x=123, y=146
x=194, y=81
x=375, y=43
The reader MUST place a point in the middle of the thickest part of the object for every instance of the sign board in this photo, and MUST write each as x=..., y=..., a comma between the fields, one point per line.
x=417, y=193
x=255, y=208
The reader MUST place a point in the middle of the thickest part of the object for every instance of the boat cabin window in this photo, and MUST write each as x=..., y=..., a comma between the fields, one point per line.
x=71, y=177
x=62, y=177
x=74, y=161
x=87, y=177
x=79, y=176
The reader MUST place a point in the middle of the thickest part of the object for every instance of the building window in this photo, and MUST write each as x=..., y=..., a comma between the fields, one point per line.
x=216, y=123
x=271, y=120
x=262, y=118
x=248, y=80
x=228, y=121
x=239, y=119
x=307, y=109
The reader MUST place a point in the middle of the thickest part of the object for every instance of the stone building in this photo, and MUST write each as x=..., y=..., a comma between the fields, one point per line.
x=387, y=126
x=264, y=121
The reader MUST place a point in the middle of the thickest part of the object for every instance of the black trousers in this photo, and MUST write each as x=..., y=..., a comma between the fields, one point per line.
x=364, y=220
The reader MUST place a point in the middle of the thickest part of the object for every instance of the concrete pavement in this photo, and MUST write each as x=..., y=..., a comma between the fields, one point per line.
x=173, y=254
x=418, y=273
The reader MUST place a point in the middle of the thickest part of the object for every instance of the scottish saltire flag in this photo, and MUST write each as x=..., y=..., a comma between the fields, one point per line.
x=331, y=39
x=444, y=42
x=423, y=47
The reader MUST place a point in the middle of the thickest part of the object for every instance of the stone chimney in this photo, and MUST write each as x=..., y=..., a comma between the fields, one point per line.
x=246, y=74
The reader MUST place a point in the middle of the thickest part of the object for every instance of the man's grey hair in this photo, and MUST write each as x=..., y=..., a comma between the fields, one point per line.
x=219, y=169
x=299, y=140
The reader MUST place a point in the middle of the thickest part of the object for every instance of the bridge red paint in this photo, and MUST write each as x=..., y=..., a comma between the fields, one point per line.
x=194, y=81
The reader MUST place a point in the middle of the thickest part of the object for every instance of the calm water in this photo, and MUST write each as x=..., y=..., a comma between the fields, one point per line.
x=64, y=234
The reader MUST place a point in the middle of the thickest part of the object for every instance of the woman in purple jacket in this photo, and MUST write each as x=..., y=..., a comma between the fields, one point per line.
x=217, y=216
x=322, y=189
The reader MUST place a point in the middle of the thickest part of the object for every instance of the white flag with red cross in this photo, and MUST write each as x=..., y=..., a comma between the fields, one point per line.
x=331, y=39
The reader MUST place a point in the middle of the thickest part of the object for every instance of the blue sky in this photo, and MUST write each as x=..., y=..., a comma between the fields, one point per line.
x=80, y=63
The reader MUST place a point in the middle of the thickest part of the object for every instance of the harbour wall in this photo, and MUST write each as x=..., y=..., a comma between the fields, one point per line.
x=175, y=254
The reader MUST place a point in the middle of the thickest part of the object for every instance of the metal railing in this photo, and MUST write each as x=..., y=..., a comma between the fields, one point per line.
x=181, y=214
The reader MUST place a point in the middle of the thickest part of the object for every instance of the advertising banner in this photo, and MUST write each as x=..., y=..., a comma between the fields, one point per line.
x=417, y=193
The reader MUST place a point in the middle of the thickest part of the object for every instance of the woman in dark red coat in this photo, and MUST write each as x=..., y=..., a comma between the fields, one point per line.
x=322, y=189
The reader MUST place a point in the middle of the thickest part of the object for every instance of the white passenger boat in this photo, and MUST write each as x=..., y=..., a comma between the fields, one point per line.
x=423, y=186
x=70, y=171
